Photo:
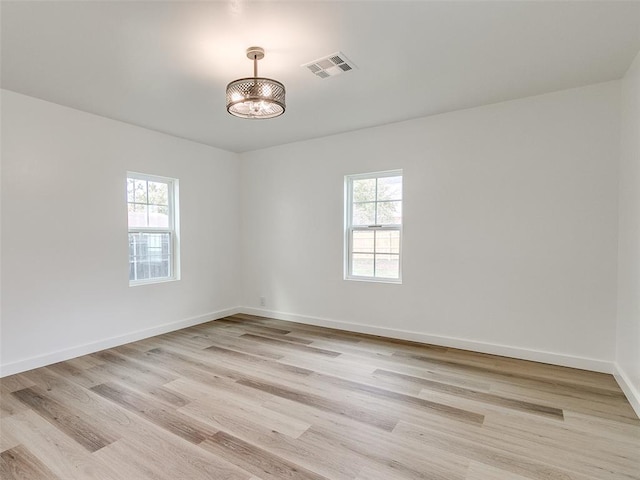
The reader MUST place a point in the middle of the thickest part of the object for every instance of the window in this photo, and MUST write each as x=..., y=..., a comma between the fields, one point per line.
x=373, y=230
x=153, y=228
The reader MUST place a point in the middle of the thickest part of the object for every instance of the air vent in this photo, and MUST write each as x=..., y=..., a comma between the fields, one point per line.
x=330, y=66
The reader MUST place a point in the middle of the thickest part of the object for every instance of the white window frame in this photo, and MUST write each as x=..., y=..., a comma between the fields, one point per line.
x=349, y=228
x=173, y=228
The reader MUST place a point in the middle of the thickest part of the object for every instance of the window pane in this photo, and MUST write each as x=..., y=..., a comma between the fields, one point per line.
x=364, y=213
x=158, y=216
x=387, y=241
x=130, y=188
x=137, y=215
x=149, y=255
x=362, y=242
x=389, y=213
x=390, y=188
x=142, y=270
x=364, y=190
x=158, y=193
x=140, y=191
x=159, y=268
x=362, y=265
x=388, y=266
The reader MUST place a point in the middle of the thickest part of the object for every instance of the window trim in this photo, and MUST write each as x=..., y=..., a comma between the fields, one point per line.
x=349, y=228
x=173, y=229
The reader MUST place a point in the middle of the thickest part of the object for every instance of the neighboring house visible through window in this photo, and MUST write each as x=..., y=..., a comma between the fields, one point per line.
x=152, y=203
x=373, y=233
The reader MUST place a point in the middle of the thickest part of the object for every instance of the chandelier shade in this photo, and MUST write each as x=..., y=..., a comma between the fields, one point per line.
x=255, y=97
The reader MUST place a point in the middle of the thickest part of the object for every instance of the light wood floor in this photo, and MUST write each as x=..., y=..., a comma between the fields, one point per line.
x=246, y=398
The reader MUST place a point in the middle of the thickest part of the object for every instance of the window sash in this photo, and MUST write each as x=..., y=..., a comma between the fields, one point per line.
x=151, y=259
x=374, y=253
x=170, y=197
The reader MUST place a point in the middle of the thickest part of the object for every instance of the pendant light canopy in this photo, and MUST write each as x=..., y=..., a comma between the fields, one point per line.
x=255, y=97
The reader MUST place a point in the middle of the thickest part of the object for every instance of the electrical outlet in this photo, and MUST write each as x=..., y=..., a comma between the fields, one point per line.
x=263, y=301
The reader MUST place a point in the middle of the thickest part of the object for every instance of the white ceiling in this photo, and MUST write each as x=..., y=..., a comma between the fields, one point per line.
x=165, y=65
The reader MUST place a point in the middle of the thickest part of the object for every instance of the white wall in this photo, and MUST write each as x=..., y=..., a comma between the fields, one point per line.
x=628, y=331
x=65, y=288
x=510, y=235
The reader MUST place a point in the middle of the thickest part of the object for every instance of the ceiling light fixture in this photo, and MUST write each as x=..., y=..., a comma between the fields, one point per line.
x=255, y=97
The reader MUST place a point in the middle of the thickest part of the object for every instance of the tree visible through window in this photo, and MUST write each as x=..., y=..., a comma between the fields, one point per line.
x=374, y=226
x=151, y=204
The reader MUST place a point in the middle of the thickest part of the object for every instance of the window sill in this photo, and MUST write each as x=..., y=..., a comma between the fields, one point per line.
x=375, y=280
x=137, y=283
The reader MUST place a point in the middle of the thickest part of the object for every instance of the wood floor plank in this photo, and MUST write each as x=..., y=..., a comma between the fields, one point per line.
x=402, y=399
x=18, y=463
x=10, y=405
x=578, y=383
x=257, y=460
x=480, y=471
x=585, y=454
x=80, y=429
x=319, y=458
x=483, y=397
x=14, y=382
x=60, y=453
x=146, y=455
x=244, y=417
x=529, y=465
x=392, y=455
x=258, y=362
x=7, y=440
x=377, y=419
x=252, y=398
x=289, y=346
x=157, y=413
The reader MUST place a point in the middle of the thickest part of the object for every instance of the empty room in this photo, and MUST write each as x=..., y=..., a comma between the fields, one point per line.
x=320, y=240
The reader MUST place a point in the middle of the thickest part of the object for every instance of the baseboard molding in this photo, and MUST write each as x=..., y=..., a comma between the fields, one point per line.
x=92, y=347
x=464, y=344
x=630, y=391
x=564, y=360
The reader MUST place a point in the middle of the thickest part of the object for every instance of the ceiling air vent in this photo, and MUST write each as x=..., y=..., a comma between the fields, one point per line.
x=330, y=66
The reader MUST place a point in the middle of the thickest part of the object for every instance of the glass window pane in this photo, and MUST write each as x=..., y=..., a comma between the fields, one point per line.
x=132, y=270
x=140, y=191
x=364, y=190
x=142, y=270
x=389, y=213
x=158, y=193
x=364, y=213
x=362, y=242
x=388, y=266
x=362, y=265
x=149, y=255
x=137, y=215
x=130, y=188
x=390, y=188
x=158, y=216
x=159, y=268
x=387, y=241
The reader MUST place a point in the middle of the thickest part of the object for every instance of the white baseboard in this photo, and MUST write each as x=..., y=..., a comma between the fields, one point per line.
x=630, y=391
x=92, y=347
x=464, y=344
x=561, y=359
